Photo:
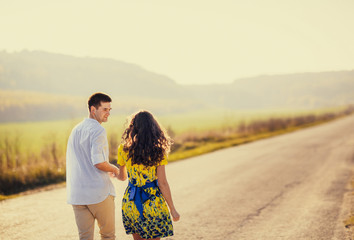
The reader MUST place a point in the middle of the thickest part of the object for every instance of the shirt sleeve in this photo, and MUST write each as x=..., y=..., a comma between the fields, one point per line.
x=99, y=147
x=121, y=155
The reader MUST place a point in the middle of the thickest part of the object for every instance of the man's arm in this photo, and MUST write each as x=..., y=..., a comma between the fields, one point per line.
x=107, y=167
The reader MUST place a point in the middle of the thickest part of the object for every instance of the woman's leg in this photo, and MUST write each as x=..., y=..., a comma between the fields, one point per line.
x=137, y=236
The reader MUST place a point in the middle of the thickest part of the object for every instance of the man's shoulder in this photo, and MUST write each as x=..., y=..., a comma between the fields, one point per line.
x=89, y=125
x=77, y=127
x=94, y=127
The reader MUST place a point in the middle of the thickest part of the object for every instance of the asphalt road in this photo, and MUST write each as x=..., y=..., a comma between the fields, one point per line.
x=294, y=186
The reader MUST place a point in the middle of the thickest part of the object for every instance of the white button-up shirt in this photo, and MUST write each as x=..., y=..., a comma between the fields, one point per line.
x=87, y=146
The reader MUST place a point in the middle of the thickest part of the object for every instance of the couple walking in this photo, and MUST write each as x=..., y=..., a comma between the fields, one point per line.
x=141, y=157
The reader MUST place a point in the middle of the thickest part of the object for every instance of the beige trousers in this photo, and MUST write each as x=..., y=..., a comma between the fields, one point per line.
x=85, y=216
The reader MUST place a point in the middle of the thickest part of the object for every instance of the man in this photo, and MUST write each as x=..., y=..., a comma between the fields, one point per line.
x=89, y=188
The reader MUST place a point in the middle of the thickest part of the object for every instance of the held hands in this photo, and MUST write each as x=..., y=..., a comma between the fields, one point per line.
x=175, y=215
x=115, y=172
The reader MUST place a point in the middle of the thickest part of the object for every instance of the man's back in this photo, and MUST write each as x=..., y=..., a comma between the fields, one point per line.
x=87, y=146
x=89, y=188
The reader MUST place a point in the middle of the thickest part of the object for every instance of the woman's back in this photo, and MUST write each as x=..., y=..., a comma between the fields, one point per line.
x=138, y=174
x=142, y=157
x=144, y=208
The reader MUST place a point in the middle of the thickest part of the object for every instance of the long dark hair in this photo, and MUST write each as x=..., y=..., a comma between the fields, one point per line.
x=145, y=140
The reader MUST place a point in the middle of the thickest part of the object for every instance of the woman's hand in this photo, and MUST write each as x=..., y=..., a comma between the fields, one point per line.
x=122, y=174
x=175, y=215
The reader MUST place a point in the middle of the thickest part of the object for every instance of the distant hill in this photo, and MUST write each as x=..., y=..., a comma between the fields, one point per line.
x=302, y=90
x=62, y=74
x=39, y=85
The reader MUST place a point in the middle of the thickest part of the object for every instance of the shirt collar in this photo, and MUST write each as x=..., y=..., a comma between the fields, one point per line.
x=92, y=120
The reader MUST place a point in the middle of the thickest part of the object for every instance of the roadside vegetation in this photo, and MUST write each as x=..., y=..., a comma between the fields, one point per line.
x=191, y=143
x=349, y=221
x=32, y=154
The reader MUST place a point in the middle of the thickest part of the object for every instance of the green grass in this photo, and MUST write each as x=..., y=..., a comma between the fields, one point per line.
x=2, y=197
x=32, y=154
x=221, y=119
x=32, y=135
x=34, y=190
x=230, y=141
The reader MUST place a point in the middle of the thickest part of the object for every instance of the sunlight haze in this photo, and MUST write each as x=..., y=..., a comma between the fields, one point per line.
x=192, y=42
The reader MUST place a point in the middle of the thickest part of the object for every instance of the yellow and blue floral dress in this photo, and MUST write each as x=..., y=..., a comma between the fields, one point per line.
x=144, y=196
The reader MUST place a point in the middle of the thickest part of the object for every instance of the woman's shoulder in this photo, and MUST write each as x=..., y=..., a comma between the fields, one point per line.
x=122, y=155
x=121, y=149
x=163, y=161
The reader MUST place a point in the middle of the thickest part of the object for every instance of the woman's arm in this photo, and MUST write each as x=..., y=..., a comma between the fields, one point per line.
x=122, y=173
x=166, y=192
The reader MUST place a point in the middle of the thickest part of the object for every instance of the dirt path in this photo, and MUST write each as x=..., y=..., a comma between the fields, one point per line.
x=286, y=187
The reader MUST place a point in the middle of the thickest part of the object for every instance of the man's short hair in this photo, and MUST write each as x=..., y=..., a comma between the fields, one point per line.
x=96, y=99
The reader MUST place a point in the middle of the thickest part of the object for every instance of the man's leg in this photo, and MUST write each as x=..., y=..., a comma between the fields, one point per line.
x=85, y=222
x=105, y=215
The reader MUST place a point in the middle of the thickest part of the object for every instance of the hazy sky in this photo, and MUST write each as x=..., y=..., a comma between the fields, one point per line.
x=191, y=41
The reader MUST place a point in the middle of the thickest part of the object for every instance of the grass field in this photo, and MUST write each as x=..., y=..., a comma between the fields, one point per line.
x=32, y=154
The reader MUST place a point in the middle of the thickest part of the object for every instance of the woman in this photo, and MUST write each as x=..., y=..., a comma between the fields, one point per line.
x=143, y=156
